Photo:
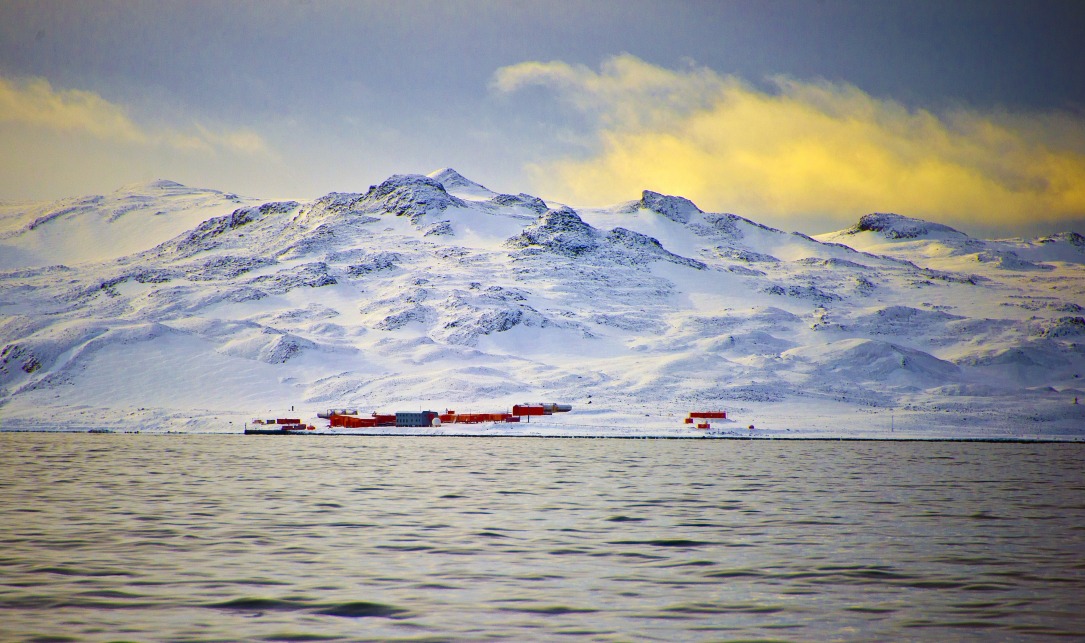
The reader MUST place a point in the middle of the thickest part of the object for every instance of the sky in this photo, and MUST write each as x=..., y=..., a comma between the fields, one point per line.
x=802, y=114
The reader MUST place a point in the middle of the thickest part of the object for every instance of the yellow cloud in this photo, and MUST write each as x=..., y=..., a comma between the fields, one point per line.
x=806, y=149
x=35, y=103
x=244, y=141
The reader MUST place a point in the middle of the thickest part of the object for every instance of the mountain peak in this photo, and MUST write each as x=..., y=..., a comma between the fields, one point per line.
x=453, y=181
x=896, y=226
x=1070, y=237
x=411, y=195
x=675, y=208
x=156, y=185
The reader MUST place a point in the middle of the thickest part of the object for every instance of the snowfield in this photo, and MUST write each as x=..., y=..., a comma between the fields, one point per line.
x=166, y=308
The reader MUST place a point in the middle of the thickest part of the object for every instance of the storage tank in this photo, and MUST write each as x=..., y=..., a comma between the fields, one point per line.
x=551, y=407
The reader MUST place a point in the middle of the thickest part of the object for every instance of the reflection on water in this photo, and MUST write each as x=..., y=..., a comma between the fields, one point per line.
x=201, y=538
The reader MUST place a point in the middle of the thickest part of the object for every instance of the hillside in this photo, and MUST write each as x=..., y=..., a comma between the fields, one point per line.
x=163, y=307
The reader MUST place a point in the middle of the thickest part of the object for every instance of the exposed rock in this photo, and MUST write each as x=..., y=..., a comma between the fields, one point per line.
x=748, y=256
x=205, y=235
x=310, y=275
x=521, y=200
x=439, y=229
x=641, y=249
x=409, y=195
x=675, y=208
x=1065, y=327
x=559, y=231
x=223, y=267
x=374, y=262
x=1008, y=260
x=895, y=226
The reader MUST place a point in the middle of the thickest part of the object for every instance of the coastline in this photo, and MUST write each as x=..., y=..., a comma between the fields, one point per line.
x=793, y=437
x=771, y=421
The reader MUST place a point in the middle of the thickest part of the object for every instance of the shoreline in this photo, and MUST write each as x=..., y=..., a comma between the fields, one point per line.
x=762, y=438
x=777, y=438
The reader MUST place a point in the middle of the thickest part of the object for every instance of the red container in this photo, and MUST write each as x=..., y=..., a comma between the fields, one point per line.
x=718, y=415
x=528, y=409
x=351, y=422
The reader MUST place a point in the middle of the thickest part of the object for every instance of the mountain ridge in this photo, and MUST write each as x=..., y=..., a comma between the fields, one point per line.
x=419, y=293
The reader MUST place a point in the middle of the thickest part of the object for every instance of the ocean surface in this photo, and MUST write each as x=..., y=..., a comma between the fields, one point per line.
x=264, y=538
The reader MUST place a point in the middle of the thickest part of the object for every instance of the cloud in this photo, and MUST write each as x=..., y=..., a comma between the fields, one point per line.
x=804, y=150
x=35, y=103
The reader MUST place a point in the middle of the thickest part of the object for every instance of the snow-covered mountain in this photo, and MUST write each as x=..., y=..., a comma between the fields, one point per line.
x=161, y=306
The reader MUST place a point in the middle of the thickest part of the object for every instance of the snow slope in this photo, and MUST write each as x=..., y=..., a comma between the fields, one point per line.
x=162, y=307
x=97, y=228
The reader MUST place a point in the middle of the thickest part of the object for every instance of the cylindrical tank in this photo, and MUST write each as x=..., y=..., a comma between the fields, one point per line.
x=551, y=407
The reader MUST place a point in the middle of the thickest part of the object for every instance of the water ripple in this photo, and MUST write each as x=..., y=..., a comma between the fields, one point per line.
x=197, y=538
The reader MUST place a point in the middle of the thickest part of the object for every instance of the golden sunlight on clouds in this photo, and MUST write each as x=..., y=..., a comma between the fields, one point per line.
x=35, y=103
x=805, y=150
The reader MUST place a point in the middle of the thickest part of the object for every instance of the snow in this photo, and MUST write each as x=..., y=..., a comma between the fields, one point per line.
x=895, y=226
x=459, y=185
x=161, y=307
x=99, y=228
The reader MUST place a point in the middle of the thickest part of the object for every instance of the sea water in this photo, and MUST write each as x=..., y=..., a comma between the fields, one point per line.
x=309, y=538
